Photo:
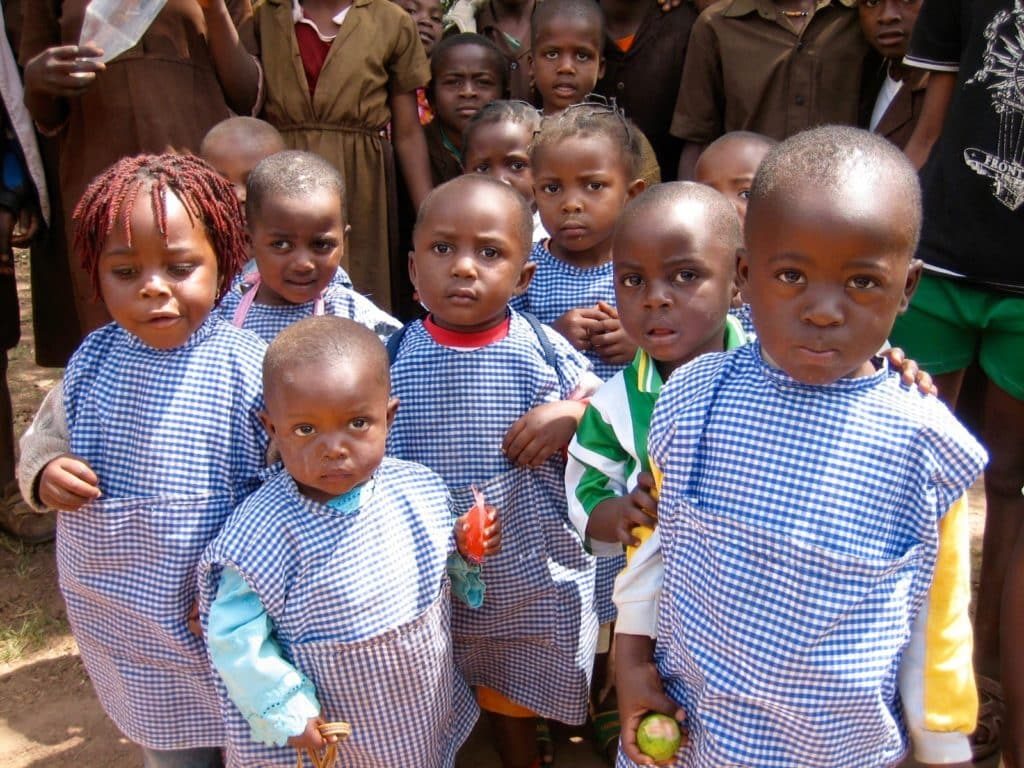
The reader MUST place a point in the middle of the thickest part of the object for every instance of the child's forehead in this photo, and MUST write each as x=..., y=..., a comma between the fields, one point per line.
x=575, y=27
x=468, y=54
x=679, y=221
x=737, y=157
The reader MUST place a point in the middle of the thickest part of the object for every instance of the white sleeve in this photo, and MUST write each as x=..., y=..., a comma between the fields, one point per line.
x=638, y=588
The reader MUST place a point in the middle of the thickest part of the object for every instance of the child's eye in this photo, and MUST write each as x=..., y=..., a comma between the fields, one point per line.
x=863, y=283
x=304, y=430
x=281, y=245
x=123, y=273
x=325, y=245
x=744, y=194
x=583, y=56
x=519, y=165
x=490, y=253
x=486, y=81
x=441, y=248
x=481, y=168
x=181, y=270
x=549, y=189
x=360, y=423
x=595, y=186
x=632, y=281
x=551, y=55
x=790, y=276
x=685, y=276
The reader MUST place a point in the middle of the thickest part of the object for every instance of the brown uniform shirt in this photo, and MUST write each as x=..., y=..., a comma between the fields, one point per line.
x=518, y=59
x=746, y=69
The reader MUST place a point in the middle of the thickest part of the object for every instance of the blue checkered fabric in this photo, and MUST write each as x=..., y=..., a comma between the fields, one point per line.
x=799, y=532
x=534, y=637
x=266, y=320
x=557, y=287
x=743, y=314
x=175, y=440
x=359, y=603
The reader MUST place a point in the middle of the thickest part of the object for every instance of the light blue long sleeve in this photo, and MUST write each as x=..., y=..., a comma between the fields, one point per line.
x=273, y=696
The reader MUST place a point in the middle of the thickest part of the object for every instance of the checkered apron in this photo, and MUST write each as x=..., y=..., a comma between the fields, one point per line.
x=266, y=320
x=365, y=616
x=799, y=544
x=557, y=287
x=534, y=637
x=174, y=437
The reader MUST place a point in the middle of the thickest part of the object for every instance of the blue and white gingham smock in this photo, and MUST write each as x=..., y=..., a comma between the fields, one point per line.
x=266, y=320
x=799, y=533
x=175, y=439
x=557, y=287
x=359, y=602
x=534, y=637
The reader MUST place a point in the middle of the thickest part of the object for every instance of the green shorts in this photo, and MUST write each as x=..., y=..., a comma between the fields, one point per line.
x=950, y=324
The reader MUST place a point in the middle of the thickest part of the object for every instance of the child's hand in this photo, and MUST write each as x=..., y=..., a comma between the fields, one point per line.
x=578, y=325
x=66, y=483
x=311, y=738
x=64, y=71
x=542, y=431
x=25, y=228
x=614, y=519
x=610, y=341
x=492, y=533
x=910, y=373
x=640, y=691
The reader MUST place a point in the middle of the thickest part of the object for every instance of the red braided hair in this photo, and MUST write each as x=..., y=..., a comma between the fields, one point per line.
x=206, y=195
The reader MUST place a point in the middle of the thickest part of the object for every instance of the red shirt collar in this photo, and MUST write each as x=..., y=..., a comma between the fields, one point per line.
x=463, y=339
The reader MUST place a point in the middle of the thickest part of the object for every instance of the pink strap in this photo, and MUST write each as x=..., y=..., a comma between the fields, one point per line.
x=247, y=299
x=242, y=310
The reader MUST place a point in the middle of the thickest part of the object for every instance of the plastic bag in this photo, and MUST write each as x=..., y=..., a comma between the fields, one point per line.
x=117, y=25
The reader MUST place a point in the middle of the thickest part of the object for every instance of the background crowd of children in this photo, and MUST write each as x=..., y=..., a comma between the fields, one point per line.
x=254, y=539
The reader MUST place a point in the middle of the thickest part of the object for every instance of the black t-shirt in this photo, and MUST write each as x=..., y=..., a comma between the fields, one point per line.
x=974, y=180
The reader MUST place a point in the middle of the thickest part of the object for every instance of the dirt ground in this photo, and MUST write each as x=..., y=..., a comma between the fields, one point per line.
x=49, y=715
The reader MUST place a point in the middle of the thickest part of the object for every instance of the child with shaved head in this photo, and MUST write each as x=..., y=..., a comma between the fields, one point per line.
x=235, y=146
x=805, y=598
x=325, y=593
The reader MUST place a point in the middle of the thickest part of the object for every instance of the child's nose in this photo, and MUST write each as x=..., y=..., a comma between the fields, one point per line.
x=155, y=285
x=823, y=308
x=658, y=295
x=334, y=447
x=566, y=63
x=464, y=265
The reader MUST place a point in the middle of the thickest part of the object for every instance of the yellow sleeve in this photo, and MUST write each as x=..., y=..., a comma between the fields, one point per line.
x=940, y=699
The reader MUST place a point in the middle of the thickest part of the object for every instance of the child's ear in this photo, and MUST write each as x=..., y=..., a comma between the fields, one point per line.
x=913, y=278
x=267, y=423
x=742, y=269
x=600, y=69
x=635, y=188
x=734, y=291
x=525, y=276
x=392, y=410
x=412, y=268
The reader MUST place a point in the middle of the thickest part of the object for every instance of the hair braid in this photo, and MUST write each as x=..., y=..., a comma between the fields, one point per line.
x=206, y=195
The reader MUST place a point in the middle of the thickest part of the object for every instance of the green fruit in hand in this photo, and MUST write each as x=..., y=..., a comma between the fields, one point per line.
x=658, y=736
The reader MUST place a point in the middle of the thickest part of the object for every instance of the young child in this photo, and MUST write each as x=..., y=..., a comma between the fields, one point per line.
x=675, y=251
x=896, y=93
x=158, y=438
x=812, y=524
x=325, y=594
x=466, y=72
x=644, y=51
x=770, y=66
x=361, y=63
x=235, y=146
x=427, y=15
x=497, y=143
x=486, y=402
x=729, y=164
x=568, y=37
x=295, y=210
x=585, y=165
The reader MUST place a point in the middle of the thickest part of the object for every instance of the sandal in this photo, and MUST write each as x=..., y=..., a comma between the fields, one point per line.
x=545, y=744
x=606, y=734
x=22, y=522
x=986, y=739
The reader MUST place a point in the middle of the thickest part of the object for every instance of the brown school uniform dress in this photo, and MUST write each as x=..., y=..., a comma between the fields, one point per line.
x=518, y=57
x=644, y=79
x=746, y=69
x=163, y=93
x=897, y=124
x=375, y=51
x=445, y=164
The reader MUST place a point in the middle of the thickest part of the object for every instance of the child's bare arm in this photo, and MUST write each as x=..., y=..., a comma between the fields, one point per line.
x=542, y=431
x=411, y=145
x=614, y=519
x=236, y=68
x=640, y=690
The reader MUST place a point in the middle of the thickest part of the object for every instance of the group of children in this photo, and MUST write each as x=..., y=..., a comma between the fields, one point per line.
x=266, y=518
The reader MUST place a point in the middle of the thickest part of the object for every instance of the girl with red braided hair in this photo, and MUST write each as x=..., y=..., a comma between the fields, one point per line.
x=151, y=440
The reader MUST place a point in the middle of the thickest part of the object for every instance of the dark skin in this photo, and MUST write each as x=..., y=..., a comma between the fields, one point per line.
x=1013, y=660
x=826, y=274
x=513, y=18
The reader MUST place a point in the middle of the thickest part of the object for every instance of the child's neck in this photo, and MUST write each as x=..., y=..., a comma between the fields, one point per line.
x=598, y=254
x=512, y=13
x=451, y=139
x=623, y=17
